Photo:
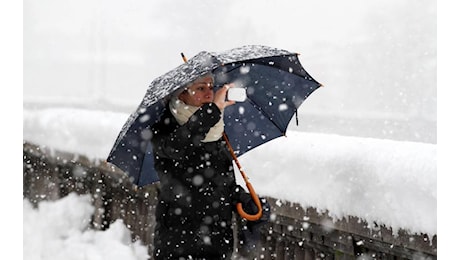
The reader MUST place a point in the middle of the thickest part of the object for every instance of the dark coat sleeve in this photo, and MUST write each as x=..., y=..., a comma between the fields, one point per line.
x=176, y=144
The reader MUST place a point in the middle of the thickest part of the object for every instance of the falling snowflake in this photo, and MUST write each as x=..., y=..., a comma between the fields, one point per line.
x=283, y=107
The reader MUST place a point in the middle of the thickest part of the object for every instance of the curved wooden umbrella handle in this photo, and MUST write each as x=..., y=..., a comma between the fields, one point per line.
x=256, y=199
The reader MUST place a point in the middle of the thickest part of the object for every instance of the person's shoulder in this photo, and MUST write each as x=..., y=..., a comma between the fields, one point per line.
x=166, y=122
x=210, y=109
x=210, y=105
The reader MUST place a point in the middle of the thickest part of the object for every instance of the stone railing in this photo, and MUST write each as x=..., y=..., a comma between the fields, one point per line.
x=293, y=232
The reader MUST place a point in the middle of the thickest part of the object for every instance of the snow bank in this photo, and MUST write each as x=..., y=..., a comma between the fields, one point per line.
x=384, y=181
x=59, y=230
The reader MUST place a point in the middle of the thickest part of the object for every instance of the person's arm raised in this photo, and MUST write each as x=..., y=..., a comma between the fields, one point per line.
x=220, y=97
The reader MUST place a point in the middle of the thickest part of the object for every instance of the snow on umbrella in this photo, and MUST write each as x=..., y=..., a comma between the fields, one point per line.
x=276, y=85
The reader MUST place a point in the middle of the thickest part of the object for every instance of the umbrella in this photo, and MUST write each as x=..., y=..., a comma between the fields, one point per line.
x=276, y=85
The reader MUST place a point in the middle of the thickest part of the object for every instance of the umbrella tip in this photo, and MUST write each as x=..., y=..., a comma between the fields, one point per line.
x=183, y=57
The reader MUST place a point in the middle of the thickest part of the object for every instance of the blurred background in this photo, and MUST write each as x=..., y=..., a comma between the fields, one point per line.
x=376, y=59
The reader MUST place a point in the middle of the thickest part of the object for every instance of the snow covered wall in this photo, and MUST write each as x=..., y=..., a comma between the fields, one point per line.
x=389, y=182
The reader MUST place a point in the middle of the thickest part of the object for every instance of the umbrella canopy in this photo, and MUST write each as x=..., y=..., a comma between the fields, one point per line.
x=276, y=85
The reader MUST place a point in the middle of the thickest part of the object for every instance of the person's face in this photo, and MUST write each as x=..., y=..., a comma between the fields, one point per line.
x=200, y=92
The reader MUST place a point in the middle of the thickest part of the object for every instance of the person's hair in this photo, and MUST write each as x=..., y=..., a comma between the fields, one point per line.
x=179, y=91
x=203, y=76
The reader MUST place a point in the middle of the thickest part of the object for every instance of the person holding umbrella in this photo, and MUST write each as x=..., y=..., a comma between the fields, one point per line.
x=175, y=137
x=198, y=191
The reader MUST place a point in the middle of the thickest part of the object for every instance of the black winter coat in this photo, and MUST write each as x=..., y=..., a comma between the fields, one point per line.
x=198, y=191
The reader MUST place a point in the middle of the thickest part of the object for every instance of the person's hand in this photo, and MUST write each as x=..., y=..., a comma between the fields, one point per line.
x=220, y=97
x=250, y=207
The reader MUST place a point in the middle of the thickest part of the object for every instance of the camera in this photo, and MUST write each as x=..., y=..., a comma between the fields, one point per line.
x=236, y=94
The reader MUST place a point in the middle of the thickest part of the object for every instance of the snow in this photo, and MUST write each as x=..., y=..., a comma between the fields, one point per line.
x=389, y=182
x=384, y=181
x=79, y=131
x=60, y=230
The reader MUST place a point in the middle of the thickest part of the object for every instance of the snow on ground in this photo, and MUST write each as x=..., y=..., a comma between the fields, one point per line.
x=60, y=230
x=389, y=182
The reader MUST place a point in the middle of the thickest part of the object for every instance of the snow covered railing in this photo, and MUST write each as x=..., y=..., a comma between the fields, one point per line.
x=294, y=232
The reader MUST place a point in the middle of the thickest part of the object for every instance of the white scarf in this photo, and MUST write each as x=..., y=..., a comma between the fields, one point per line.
x=182, y=112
